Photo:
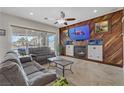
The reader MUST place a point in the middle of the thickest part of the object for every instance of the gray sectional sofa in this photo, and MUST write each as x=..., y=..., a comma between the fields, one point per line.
x=41, y=54
x=28, y=73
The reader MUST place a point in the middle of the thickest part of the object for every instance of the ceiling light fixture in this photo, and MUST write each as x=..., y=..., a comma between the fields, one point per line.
x=31, y=13
x=95, y=11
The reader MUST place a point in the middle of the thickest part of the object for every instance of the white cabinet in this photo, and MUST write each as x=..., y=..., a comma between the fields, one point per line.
x=70, y=50
x=95, y=52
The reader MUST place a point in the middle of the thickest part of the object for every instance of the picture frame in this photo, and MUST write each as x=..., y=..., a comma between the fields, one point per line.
x=102, y=27
x=2, y=32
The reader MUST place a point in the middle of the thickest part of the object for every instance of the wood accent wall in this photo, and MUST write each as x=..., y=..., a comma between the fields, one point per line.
x=113, y=40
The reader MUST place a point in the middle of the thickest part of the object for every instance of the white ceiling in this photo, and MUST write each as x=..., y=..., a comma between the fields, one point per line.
x=80, y=13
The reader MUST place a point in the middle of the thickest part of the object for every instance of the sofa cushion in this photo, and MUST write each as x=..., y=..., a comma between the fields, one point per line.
x=39, y=67
x=39, y=50
x=32, y=67
x=12, y=74
x=42, y=78
x=27, y=64
x=12, y=57
x=25, y=59
x=40, y=58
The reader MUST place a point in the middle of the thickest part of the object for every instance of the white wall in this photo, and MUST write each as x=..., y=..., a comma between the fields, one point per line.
x=8, y=20
x=3, y=40
x=0, y=21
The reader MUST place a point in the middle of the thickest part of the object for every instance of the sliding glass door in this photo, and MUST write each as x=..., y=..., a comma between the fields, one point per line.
x=22, y=39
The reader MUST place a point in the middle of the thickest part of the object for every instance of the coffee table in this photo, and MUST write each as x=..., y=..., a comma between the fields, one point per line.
x=61, y=62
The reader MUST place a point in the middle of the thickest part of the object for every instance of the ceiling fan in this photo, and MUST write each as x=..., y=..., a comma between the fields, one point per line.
x=61, y=19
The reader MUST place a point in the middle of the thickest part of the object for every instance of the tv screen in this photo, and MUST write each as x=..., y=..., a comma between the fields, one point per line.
x=79, y=33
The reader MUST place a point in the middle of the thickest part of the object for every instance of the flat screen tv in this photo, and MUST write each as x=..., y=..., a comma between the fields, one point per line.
x=79, y=33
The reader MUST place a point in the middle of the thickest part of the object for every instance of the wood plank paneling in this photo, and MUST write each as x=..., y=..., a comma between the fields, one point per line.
x=113, y=40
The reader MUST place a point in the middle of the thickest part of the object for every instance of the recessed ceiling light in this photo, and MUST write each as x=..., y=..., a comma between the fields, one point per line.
x=45, y=18
x=31, y=13
x=95, y=11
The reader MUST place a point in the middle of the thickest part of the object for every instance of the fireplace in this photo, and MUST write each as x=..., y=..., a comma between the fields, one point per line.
x=80, y=51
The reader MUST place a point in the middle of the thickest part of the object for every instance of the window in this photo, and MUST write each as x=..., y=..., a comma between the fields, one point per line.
x=19, y=39
x=51, y=41
x=35, y=39
x=22, y=39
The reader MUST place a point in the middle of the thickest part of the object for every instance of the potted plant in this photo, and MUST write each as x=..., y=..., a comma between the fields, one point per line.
x=61, y=82
x=58, y=49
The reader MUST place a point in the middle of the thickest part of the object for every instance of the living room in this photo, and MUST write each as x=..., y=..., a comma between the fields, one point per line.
x=79, y=48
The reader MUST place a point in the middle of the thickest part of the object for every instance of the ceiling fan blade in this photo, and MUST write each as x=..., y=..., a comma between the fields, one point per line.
x=65, y=23
x=70, y=19
x=56, y=23
x=62, y=14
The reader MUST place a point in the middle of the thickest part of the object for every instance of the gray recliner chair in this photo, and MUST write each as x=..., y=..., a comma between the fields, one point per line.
x=41, y=54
